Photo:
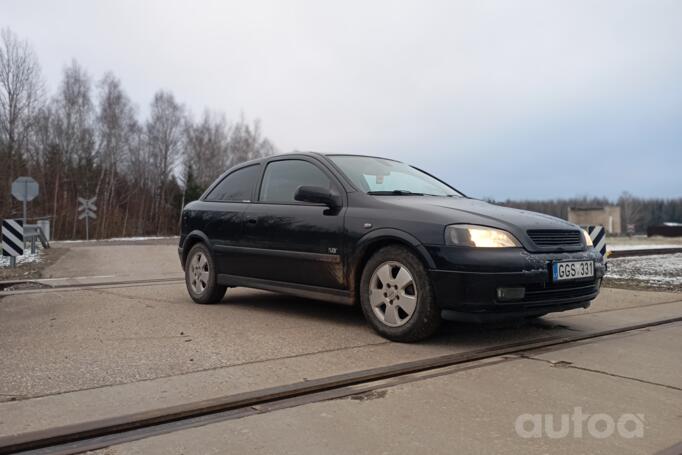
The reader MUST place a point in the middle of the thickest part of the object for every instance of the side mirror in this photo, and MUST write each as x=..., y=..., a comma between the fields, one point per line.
x=318, y=195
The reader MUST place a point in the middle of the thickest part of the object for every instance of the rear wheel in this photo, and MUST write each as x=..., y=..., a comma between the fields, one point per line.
x=397, y=297
x=200, y=276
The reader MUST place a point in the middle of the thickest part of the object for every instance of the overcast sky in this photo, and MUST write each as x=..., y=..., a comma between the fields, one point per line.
x=519, y=99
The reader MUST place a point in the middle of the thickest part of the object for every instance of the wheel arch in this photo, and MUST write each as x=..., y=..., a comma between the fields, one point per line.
x=373, y=242
x=192, y=239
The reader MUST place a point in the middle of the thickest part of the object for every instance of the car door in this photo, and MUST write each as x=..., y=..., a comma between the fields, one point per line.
x=291, y=241
x=223, y=211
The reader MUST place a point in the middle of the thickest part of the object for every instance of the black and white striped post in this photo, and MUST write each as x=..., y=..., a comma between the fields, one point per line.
x=12, y=240
x=598, y=236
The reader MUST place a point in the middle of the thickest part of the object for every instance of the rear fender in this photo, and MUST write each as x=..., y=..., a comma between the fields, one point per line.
x=192, y=239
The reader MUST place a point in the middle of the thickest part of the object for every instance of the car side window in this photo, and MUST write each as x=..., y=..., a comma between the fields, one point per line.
x=282, y=178
x=236, y=187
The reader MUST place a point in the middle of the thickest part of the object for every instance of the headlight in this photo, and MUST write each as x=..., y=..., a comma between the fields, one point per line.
x=588, y=239
x=479, y=236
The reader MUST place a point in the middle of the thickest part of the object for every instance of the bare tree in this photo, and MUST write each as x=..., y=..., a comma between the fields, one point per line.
x=73, y=159
x=207, y=147
x=248, y=143
x=115, y=119
x=21, y=96
x=164, y=138
x=631, y=209
x=79, y=146
x=74, y=119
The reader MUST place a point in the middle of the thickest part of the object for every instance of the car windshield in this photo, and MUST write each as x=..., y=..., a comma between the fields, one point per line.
x=381, y=176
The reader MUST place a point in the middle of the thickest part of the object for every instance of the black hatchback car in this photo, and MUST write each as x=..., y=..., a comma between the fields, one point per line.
x=404, y=245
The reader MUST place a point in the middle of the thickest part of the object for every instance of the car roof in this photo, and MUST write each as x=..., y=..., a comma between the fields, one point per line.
x=352, y=154
x=276, y=156
x=304, y=154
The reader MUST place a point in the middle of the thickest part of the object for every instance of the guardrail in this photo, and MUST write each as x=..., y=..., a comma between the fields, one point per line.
x=33, y=232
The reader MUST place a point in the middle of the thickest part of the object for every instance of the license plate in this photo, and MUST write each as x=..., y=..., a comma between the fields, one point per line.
x=573, y=270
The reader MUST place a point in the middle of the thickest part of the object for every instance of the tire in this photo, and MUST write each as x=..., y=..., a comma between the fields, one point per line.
x=200, y=276
x=387, y=306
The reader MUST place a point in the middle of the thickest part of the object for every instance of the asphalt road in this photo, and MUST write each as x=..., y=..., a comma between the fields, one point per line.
x=70, y=356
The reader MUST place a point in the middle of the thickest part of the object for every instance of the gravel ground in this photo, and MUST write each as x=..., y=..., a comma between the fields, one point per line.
x=658, y=272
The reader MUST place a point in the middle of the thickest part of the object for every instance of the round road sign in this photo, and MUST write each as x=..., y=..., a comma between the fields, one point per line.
x=25, y=189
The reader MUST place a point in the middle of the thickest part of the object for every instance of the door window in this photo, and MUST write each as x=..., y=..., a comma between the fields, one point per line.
x=236, y=187
x=282, y=179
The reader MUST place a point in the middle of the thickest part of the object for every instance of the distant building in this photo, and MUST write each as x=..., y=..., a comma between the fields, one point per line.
x=607, y=216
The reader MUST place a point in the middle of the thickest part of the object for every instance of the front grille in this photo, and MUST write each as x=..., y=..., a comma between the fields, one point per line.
x=555, y=237
x=554, y=291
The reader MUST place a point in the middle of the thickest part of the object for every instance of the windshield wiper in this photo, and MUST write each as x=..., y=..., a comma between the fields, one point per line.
x=394, y=193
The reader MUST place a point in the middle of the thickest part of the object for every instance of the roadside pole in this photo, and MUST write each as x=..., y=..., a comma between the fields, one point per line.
x=25, y=204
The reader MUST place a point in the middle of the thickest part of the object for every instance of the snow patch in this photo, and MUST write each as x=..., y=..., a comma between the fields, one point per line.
x=663, y=270
x=26, y=258
x=629, y=247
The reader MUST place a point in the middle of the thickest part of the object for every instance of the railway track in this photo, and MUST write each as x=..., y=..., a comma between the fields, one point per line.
x=78, y=438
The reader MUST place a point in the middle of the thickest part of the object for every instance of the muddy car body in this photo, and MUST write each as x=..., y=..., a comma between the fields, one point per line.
x=344, y=228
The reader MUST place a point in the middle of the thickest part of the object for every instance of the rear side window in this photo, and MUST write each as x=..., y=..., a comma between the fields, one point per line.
x=282, y=179
x=236, y=187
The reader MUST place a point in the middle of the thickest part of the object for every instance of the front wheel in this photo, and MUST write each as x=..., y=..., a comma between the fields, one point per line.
x=396, y=296
x=200, y=276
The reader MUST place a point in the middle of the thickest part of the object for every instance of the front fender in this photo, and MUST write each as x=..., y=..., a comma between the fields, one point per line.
x=391, y=234
x=374, y=240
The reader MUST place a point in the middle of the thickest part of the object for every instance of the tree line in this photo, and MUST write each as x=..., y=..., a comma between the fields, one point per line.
x=640, y=212
x=87, y=139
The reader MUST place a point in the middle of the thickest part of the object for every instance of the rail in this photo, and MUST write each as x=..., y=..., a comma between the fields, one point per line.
x=82, y=437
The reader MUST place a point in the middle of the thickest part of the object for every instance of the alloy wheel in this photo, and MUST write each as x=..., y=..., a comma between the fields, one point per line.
x=199, y=272
x=393, y=294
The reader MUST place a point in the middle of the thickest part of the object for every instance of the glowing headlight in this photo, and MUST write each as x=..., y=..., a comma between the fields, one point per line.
x=588, y=239
x=479, y=236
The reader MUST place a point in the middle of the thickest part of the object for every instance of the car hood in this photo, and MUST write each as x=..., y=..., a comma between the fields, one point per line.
x=498, y=215
x=456, y=210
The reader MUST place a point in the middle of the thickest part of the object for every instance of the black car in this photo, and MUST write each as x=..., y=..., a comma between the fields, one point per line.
x=404, y=245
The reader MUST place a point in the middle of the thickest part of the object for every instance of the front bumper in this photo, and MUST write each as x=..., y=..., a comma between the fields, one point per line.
x=466, y=282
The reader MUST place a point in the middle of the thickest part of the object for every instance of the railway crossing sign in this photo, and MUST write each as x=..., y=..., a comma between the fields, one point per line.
x=12, y=239
x=25, y=189
x=87, y=208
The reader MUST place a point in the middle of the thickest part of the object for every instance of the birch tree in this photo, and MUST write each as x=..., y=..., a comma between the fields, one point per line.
x=164, y=138
x=21, y=97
